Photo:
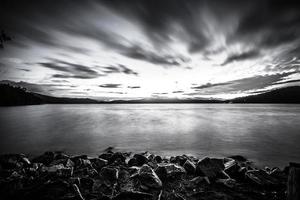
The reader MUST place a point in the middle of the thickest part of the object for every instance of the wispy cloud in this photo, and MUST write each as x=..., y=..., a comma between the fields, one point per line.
x=110, y=85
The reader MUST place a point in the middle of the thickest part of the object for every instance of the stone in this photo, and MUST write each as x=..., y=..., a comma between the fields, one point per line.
x=174, y=196
x=140, y=159
x=233, y=169
x=61, y=155
x=46, y=158
x=199, y=179
x=239, y=158
x=170, y=170
x=65, y=161
x=180, y=160
x=157, y=159
x=82, y=163
x=262, y=178
x=13, y=161
x=109, y=174
x=231, y=183
x=117, y=156
x=105, y=156
x=132, y=162
x=212, y=168
x=149, y=178
x=86, y=183
x=98, y=163
x=77, y=192
x=59, y=170
x=133, y=195
x=189, y=167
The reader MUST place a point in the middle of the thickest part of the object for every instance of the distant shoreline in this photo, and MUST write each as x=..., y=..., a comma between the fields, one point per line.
x=11, y=96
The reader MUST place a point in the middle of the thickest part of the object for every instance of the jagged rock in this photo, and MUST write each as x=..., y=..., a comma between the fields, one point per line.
x=260, y=177
x=174, y=196
x=98, y=163
x=279, y=175
x=77, y=192
x=46, y=158
x=59, y=170
x=86, y=183
x=105, y=156
x=239, y=158
x=61, y=155
x=212, y=168
x=82, y=163
x=189, y=167
x=227, y=182
x=169, y=171
x=199, y=179
x=50, y=190
x=157, y=159
x=140, y=159
x=180, y=160
x=133, y=195
x=13, y=161
x=149, y=178
x=233, y=169
x=118, y=156
x=65, y=161
x=132, y=162
x=109, y=174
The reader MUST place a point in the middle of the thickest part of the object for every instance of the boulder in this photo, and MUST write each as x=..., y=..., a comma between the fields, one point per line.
x=149, y=178
x=46, y=158
x=109, y=174
x=189, y=167
x=210, y=167
x=133, y=195
x=157, y=159
x=180, y=160
x=105, y=156
x=174, y=196
x=77, y=192
x=169, y=171
x=14, y=161
x=118, y=156
x=262, y=178
x=227, y=182
x=239, y=158
x=86, y=183
x=233, y=169
x=58, y=170
x=98, y=163
x=64, y=161
x=140, y=159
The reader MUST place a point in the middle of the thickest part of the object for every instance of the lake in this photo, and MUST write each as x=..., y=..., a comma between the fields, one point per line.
x=268, y=134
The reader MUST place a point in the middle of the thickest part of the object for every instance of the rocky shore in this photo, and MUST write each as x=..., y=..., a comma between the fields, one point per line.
x=144, y=176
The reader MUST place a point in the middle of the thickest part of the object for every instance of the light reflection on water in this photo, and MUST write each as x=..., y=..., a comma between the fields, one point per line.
x=268, y=134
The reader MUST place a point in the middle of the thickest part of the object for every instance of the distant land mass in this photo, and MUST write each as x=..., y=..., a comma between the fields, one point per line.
x=281, y=95
x=13, y=96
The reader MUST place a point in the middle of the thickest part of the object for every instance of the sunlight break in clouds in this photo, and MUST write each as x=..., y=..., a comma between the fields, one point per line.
x=151, y=49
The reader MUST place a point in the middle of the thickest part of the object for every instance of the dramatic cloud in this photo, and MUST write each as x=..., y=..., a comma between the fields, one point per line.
x=71, y=70
x=152, y=47
x=242, y=56
x=119, y=69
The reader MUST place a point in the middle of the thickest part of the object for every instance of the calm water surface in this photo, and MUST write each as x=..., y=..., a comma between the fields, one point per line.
x=267, y=134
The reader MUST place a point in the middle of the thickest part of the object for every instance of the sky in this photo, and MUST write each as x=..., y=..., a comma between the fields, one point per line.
x=132, y=49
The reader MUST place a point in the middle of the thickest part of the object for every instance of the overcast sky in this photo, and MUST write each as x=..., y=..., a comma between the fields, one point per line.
x=124, y=49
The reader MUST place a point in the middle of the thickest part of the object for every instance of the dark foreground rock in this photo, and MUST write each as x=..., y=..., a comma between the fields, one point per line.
x=122, y=176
